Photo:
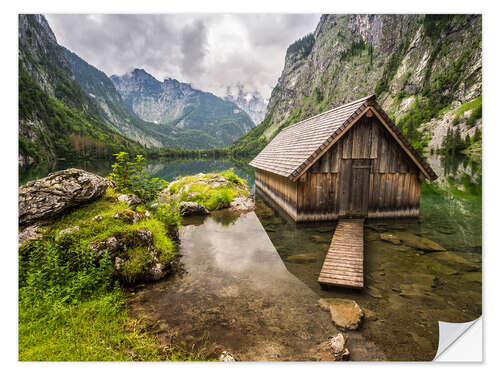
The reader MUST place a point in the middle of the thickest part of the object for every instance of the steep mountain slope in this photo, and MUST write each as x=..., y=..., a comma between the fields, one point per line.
x=175, y=103
x=424, y=69
x=99, y=87
x=56, y=118
x=251, y=103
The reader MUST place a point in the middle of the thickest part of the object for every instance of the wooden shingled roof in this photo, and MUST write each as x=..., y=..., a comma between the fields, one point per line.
x=298, y=146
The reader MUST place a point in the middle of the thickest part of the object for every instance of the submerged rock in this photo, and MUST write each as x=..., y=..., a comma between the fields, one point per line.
x=48, y=197
x=346, y=314
x=455, y=262
x=411, y=240
x=303, y=258
x=373, y=292
x=371, y=236
x=390, y=237
x=321, y=238
x=193, y=208
x=335, y=348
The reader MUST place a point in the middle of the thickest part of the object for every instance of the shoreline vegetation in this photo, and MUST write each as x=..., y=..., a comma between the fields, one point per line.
x=74, y=272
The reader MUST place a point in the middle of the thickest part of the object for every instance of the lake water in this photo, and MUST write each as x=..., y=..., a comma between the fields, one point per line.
x=238, y=287
x=167, y=169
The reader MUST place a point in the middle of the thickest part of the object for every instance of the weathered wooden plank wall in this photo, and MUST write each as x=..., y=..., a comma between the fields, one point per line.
x=331, y=186
x=280, y=189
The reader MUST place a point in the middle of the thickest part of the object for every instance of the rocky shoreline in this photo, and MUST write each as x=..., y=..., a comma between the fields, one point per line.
x=42, y=202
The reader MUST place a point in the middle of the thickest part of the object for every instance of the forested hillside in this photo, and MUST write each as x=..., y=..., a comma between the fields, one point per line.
x=57, y=119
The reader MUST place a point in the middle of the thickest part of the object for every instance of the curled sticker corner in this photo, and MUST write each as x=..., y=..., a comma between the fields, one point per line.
x=449, y=333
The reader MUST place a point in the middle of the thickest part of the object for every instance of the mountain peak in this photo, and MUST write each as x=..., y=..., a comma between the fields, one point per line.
x=180, y=105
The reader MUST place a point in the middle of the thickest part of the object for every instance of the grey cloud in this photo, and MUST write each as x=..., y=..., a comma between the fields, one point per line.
x=194, y=48
x=202, y=49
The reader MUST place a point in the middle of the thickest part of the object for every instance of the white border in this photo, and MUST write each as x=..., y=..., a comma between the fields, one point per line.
x=9, y=172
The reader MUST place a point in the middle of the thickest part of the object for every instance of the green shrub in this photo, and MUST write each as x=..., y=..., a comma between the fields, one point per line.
x=475, y=115
x=129, y=177
x=221, y=198
x=169, y=214
x=233, y=177
x=50, y=270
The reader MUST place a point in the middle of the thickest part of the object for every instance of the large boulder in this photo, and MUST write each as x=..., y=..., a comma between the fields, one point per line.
x=47, y=197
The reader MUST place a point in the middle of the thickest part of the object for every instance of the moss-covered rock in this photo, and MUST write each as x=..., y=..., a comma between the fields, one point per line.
x=390, y=237
x=49, y=197
x=213, y=191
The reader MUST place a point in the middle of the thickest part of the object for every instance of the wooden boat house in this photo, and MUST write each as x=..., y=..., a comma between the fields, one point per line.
x=350, y=161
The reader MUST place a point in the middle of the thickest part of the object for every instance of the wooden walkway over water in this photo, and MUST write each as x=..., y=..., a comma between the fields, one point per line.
x=343, y=265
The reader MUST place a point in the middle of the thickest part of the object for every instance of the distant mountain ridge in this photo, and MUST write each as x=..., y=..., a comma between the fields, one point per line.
x=178, y=104
x=252, y=103
x=70, y=109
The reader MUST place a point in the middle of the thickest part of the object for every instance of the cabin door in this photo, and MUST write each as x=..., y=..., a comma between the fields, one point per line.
x=355, y=187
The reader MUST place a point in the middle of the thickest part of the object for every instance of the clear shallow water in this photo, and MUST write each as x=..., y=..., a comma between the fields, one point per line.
x=167, y=169
x=236, y=291
x=239, y=289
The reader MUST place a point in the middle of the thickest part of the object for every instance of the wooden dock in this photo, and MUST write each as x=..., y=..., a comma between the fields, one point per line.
x=343, y=265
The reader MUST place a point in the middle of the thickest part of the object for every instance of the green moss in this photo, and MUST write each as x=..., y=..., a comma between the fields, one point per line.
x=196, y=189
x=220, y=198
x=137, y=264
x=476, y=108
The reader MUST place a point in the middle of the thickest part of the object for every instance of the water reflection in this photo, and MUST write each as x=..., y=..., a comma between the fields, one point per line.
x=236, y=288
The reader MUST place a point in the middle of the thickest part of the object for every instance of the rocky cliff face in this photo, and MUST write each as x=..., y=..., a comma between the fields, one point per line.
x=176, y=103
x=422, y=68
x=38, y=43
x=251, y=102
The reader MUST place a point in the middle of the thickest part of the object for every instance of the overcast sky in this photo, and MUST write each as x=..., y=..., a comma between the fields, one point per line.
x=210, y=51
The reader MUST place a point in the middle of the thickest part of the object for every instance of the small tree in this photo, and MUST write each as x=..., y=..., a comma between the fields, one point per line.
x=129, y=177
